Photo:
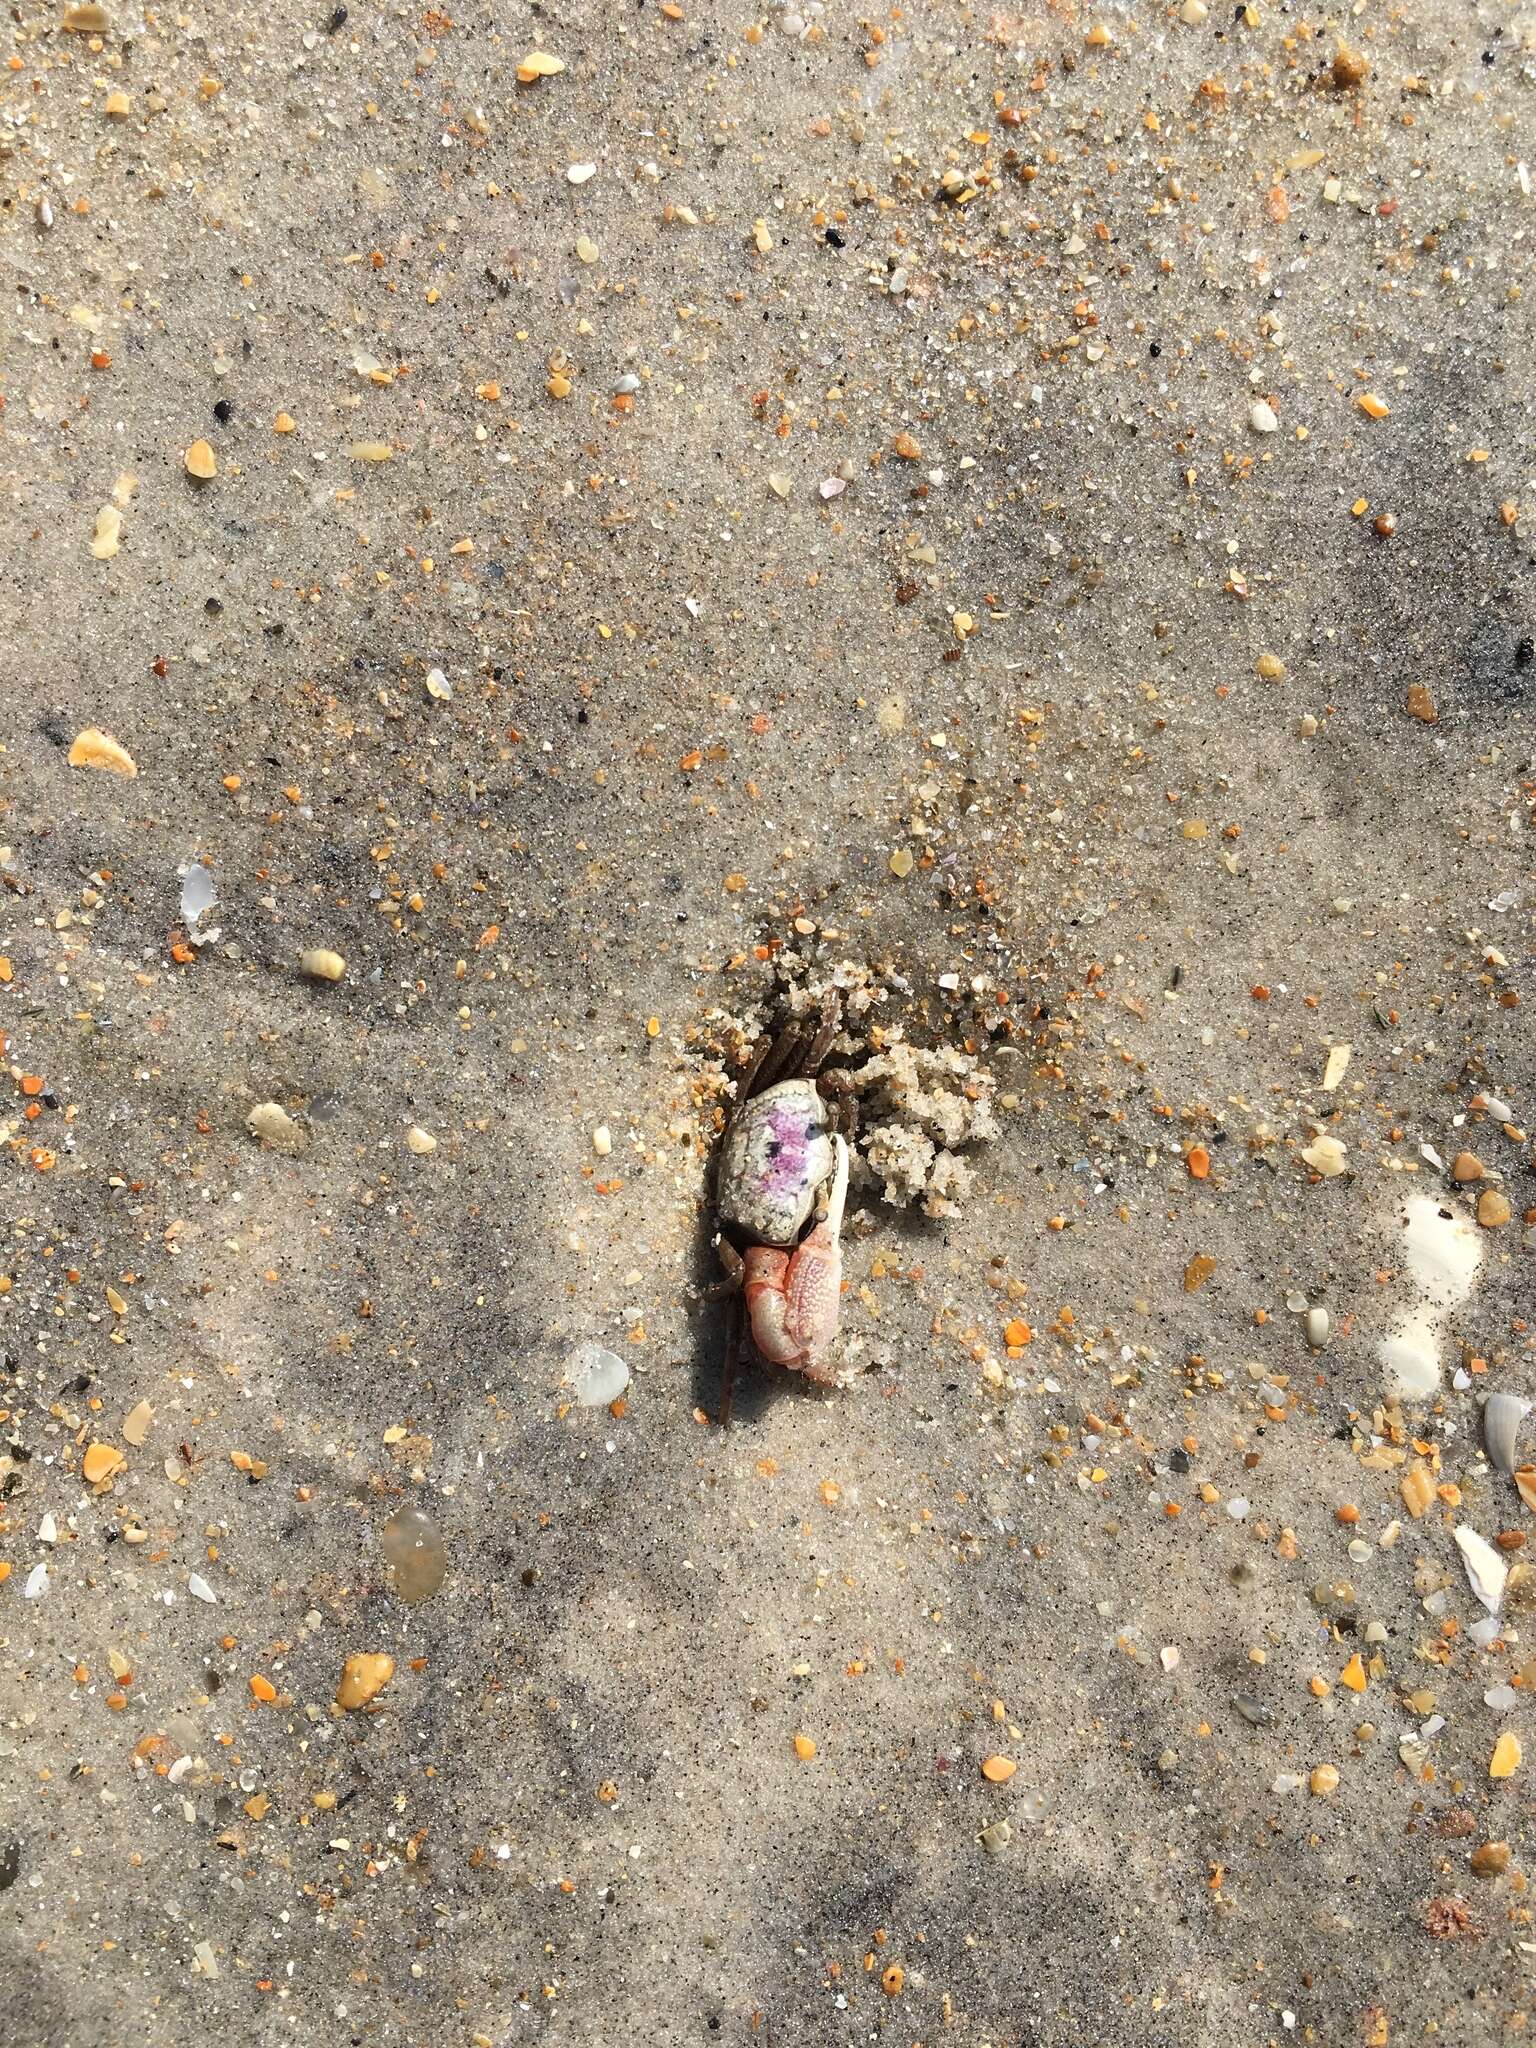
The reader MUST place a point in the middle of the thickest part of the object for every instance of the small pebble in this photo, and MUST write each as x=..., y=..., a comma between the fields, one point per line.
x=1323, y=1781
x=419, y=1141
x=1466, y=1166
x=200, y=461
x=578, y=174
x=272, y=1124
x=413, y=1546
x=321, y=964
x=602, y=1141
x=1262, y=417
x=1317, y=1323
x=1493, y=1210
x=1490, y=1859
x=363, y=1678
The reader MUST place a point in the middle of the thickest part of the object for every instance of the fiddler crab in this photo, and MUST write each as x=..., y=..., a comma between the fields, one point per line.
x=784, y=1166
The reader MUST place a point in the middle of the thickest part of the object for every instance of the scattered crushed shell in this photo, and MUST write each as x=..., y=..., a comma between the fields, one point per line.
x=321, y=964
x=363, y=1678
x=94, y=748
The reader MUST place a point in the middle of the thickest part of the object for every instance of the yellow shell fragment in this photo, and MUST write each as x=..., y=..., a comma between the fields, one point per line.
x=201, y=461
x=1505, y=1760
x=94, y=748
x=108, y=535
x=321, y=964
x=539, y=64
x=100, y=1462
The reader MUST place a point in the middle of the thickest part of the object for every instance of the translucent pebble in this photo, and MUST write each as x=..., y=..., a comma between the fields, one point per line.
x=597, y=1375
x=413, y=1546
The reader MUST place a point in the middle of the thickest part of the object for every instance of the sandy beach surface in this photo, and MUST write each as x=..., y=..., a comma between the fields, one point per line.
x=538, y=541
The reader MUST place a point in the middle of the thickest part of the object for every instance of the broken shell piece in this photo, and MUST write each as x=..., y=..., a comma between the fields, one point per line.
x=198, y=897
x=201, y=461
x=419, y=1141
x=1326, y=1156
x=1337, y=1066
x=1502, y=1417
x=1485, y=1568
x=321, y=964
x=108, y=534
x=270, y=1122
x=94, y=748
x=596, y=1375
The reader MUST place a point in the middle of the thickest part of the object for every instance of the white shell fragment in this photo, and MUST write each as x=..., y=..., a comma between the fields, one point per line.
x=1485, y=1568
x=1441, y=1255
x=1502, y=1417
x=596, y=1375
x=201, y=1590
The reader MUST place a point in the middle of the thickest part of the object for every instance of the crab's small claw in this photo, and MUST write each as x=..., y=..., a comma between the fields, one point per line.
x=794, y=1298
